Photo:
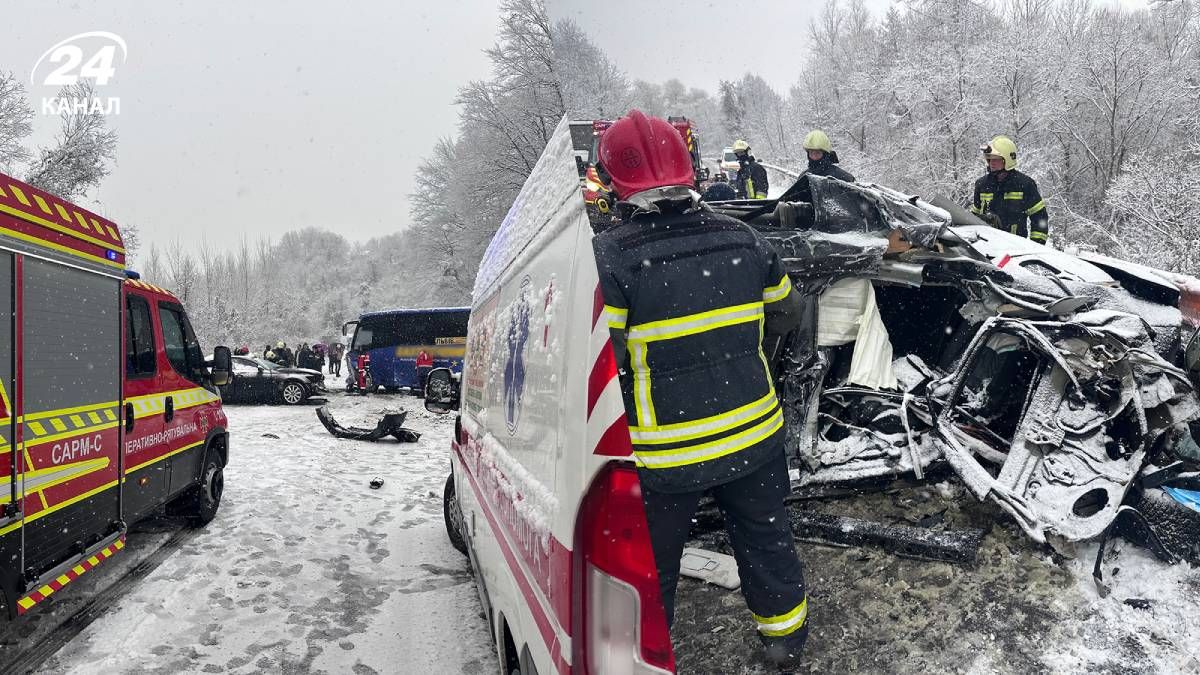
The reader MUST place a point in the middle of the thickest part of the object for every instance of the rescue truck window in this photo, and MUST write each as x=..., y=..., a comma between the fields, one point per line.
x=139, y=343
x=180, y=344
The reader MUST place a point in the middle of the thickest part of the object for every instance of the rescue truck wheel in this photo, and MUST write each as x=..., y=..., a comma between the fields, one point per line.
x=292, y=393
x=205, y=498
x=452, y=514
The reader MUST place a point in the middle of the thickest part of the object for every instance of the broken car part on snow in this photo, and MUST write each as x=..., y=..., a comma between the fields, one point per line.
x=391, y=424
x=1052, y=384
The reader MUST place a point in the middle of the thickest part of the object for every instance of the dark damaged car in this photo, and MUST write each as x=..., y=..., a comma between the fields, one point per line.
x=1061, y=387
x=256, y=380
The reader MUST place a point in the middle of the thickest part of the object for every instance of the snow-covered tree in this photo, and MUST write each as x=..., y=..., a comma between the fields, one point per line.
x=15, y=117
x=82, y=152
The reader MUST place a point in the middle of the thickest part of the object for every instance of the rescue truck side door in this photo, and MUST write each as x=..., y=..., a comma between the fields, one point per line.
x=186, y=419
x=146, y=481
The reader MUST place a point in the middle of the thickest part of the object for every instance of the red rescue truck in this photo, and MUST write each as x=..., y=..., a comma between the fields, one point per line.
x=107, y=411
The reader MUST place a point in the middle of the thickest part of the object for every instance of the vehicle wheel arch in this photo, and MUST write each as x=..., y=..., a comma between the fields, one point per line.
x=216, y=443
x=296, y=381
x=506, y=646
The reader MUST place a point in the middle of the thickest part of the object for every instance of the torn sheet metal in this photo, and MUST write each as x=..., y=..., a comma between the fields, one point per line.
x=1048, y=382
x=1090, y=419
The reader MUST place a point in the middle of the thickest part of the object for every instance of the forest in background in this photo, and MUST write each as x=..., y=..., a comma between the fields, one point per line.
x=1103, y=102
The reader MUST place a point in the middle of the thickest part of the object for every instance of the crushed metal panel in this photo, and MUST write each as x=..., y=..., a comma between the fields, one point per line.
x=1097, y=403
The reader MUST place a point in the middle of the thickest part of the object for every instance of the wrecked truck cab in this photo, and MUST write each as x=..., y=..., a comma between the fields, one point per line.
x=1046, y=381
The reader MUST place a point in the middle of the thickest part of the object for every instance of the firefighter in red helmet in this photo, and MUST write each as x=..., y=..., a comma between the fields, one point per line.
x=688, y=296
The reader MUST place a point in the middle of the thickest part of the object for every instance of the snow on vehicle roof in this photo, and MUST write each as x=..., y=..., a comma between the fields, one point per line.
x=996, y=244
x=549, y=202
x=419, y=310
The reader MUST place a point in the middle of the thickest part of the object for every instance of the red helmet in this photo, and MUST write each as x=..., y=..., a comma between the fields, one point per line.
x=641, y=153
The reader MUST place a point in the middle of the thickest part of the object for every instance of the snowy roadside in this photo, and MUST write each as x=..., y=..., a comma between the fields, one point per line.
x=1018, y=609
x=307, y=569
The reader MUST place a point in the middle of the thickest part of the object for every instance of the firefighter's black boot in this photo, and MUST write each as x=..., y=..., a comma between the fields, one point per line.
x=786, y=653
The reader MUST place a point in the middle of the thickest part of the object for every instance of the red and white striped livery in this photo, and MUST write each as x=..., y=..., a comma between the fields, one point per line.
x=544, y=496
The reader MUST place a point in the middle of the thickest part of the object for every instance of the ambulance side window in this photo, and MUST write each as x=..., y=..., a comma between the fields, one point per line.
x=139, y=338
x=180, y=344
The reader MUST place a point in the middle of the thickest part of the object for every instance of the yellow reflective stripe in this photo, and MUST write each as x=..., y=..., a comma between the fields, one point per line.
x=750, y=188
x=976, y=210
x=642, y=402
x=779, y=291
x=57, y=507
x=616, y=316
x=42, y=438
x=1014, y=195
x=707, y=426
x=37, y=428
x=67, y=411
x=694, y=454
x=57, y=424
x=1038, y=236
x=783, y=624
x=1036, y=207
x=669, y=329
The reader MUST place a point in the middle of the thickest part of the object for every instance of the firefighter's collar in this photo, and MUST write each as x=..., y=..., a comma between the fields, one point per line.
x=682, y=199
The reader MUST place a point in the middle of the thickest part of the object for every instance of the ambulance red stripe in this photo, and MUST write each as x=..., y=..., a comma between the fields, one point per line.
x=533, y=601
x=597, y=306
x=604, y=370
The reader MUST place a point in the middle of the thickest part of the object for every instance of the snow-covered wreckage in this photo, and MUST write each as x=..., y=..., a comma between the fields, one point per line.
x=1061, y=387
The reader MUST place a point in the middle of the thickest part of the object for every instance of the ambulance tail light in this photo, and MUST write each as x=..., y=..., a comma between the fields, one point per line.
x=623, y=627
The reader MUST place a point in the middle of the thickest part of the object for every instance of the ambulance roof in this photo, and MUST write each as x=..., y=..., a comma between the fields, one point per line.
x=38, y=218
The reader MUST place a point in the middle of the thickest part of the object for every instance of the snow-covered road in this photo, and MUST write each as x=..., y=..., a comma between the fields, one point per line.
x=306, y=568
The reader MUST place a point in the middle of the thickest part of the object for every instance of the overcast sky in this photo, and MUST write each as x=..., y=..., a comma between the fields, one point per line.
x=244, y=118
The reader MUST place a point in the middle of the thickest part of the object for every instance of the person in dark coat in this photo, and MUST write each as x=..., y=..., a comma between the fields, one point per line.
x=822, y=160
x=1008, y=199
x=688, y=294
x=751, y=182
x=719, y=191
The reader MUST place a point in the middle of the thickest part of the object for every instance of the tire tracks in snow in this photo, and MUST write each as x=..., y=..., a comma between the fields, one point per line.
x=28, y=660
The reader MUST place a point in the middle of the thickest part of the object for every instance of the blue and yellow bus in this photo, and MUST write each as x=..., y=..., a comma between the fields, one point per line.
x=393, y=338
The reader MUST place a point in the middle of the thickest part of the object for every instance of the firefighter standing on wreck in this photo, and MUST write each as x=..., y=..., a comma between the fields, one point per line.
x=689, y=295
x=1008, y=199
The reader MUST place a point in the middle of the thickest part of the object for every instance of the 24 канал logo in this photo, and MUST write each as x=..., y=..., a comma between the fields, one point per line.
x=80, y=65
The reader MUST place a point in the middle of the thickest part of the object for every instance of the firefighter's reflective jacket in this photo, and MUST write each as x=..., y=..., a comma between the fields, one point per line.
x=1013, y=197
x=689, y=296
x=751, y=182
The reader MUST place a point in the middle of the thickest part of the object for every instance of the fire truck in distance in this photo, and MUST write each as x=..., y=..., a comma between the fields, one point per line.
x=107, y=410
x=585, y=137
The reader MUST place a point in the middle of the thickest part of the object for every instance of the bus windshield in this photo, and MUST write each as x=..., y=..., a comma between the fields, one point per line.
x=439, y=327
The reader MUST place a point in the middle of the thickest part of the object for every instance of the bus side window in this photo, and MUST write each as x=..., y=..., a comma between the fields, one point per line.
x=139, y=343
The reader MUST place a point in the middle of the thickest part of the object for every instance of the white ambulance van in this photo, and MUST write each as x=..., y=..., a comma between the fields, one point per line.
x=543, y=495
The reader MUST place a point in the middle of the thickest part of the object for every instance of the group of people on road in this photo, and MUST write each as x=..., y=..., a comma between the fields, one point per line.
x=727, y=289
x=312, y=357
